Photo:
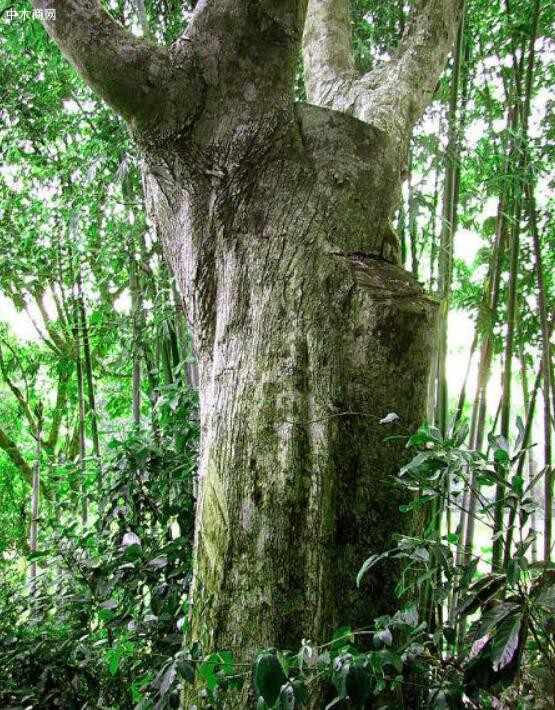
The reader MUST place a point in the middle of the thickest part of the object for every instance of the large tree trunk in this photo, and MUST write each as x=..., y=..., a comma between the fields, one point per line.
x=308, y=333
x=275, y=220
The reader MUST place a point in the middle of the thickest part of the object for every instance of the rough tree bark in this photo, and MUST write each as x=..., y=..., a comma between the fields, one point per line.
x=275, y=219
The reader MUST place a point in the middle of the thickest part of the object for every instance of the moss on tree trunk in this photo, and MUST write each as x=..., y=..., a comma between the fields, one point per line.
x=308, y=333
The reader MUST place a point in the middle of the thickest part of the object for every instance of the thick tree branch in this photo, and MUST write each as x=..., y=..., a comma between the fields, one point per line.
x=137, y=78
x=393, y=95
x=248, y=49
x=61, y=343
x=329, y=66
x=10, y=447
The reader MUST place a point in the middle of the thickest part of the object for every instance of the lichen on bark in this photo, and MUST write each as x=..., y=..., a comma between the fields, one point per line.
x=316, y=334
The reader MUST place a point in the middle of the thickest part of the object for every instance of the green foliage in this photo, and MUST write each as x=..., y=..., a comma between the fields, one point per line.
x=497, y=625
x=268, y=678
x=108, y=616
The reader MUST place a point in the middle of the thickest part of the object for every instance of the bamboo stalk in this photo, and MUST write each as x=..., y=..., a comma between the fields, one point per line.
x=35, y=503
x=134, y=287
x=532, y=465
x=81, y=424
x=85, y=339
x=497, y=545
x=488, y=310
x=447, y=234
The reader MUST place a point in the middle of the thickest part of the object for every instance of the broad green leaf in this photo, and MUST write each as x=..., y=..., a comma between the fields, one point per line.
x=113, y=656
x=301, y=692
x=385, y=636
x=492, y=617
x=416, y=462
x=186, y=671
x=547, y=597
x=368, y=564
x=420, y=554
x=268, y=677
x=505, y=642
x=391, y=658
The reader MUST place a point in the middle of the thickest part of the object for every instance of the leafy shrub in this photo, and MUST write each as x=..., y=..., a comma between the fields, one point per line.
x=464, y=637
x=111, y=600
x=105, y=628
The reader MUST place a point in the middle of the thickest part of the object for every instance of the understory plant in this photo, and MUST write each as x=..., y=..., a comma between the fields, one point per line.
x=108, y=606
x=106, y=624
x=465, y=635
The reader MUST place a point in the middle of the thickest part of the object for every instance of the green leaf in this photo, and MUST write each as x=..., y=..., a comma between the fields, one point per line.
x=410, y=615
x=158, y=562
x=391, y=658
x=186, y=671
x=521, y=432
x=479, y=592
x=268, y=677
x=416, y=462
x=494, y=616
x=168, y=679
x=505, y=642
x=341, y=667
x=513, y=572
x=324, y=659
x=547, y=597
x=517, y=485
x=301, y=692
x=376, y=661
x=460, y=433
x=469, y=572
x=489, y=226
x=132, y=552
x=286, y=699
x=304, y=656
x=386, y=637
x=113, y=657
x=420, y=554
x=342, y=636
x=501, y=456
x=207, y=669
x=369, y=563
x=110, y=604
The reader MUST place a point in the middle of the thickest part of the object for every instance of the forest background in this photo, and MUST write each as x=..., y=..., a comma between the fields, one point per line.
x=98, y=405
